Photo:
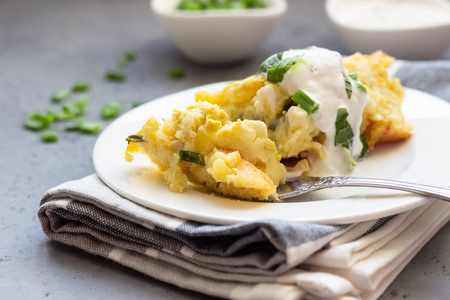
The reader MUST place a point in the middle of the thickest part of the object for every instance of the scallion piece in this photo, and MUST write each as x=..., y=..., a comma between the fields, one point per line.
x=49, y=136
x=365, y=148
x=190, y=156
x=344, y=132
x=127, y=57
x=268, y=63
x=277, y=71
x=134, y=138
x=111, y=110
x=348, y=85
x=76, y=109
x=115, y=75
x=358, y=83
x=61, y=95
x=305, y=102
x=90, y=127
x=36, y=121
x=176, y=73
x=81, y=86
x=136, y=104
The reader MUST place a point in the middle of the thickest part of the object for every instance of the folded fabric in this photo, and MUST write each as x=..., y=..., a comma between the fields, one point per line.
x=267, y=259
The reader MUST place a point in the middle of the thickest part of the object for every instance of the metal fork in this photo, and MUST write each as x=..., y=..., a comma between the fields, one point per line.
x=305, y=184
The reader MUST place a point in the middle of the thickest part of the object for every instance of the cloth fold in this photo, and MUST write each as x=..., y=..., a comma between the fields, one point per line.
x=267, y=259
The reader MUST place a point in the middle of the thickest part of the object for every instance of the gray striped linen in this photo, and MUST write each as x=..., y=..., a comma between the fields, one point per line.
x=254, y=260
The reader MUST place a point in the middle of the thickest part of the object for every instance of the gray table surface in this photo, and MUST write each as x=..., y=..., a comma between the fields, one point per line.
x=47, y=45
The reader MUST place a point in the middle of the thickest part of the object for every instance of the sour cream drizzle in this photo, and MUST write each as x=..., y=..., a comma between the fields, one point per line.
x=323, y=80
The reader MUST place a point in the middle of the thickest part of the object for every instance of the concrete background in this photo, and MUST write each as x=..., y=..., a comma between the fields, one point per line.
x=47, y=45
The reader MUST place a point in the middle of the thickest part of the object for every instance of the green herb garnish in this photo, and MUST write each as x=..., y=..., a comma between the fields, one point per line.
x=76, y=109
x=348, y=85
x=37, y=121
x=305, y=102
x=49, y=136
x=85, y=126
x=219, y=4
x=268, y=63
x=365, y=148
x=190, y=156
x=344, y=132
x=111, y=110
x=61, y=95
x=134, y=138
x=136, y=104
x=176, y=73
x=81, y=86
x=277, y=71
x=115, y=75
x=126, y=58
x=358, y=83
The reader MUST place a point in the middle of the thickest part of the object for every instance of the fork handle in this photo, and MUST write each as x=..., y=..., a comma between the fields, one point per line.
x=416, y=188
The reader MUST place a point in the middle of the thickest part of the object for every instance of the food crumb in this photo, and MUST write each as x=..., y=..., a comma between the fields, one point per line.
x=394, y=293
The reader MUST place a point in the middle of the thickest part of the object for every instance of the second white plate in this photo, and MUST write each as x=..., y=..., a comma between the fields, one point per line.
x=423, y=158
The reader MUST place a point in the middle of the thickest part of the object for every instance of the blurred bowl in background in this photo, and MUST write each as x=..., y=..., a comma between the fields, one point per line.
x=406, y=29
x=218, y=36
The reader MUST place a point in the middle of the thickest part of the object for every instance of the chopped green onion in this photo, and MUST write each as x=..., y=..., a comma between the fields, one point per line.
x=358, y=83
x=268, y=63
x=190, y=156
x=176, y=73
x=223, y=4
x=49, y=136
x=111, y=110
x=134, y=138
x=85, y=126
x=302, y=99
x=277, y=71
x=37, y=121
x=90, y=127
x=348, y=85
x=127, y=56
x=136, y=104
x=365, y=148
x=115, y=75
x=76, y=109
x=81, y=86
x=344, y=132
x=61, y=95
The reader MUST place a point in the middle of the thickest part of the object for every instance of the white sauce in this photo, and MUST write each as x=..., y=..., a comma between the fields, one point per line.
x=324, y=82
x=392, y=14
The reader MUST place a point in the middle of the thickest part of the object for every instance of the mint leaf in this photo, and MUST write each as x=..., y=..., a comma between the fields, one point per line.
x=344, y=132
x=268, y=63
x=302, y=99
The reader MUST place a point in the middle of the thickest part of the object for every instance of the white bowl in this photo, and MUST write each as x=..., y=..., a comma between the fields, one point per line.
x=218, y=36
x=414, y=41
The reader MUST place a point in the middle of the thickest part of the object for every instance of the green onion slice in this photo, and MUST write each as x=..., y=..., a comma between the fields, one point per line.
x=344, y=132
x=358, y=83
x=365, y=148
x=111, y=110
x=305, y=102
x=127, y=57
x=81, y=86
x=61, y=95
x=268, y=63
x=348, y=85
x=49, y=136
x=135, y=138
x=190, y=156
x=176, y=73
x=277, y=71
x=36, y=121
x=115, y=75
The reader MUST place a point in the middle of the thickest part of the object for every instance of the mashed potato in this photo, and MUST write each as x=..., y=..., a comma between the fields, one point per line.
x=306, y=111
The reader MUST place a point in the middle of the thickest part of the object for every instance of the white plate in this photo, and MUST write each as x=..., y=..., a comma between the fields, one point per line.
x=423, y=158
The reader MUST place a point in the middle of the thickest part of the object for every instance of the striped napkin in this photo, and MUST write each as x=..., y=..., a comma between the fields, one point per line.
x=268, y=259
